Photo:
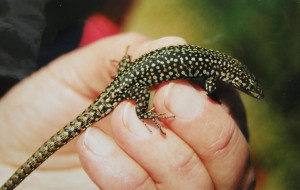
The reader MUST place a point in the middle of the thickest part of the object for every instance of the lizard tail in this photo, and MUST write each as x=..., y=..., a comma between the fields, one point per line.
x=62, y=137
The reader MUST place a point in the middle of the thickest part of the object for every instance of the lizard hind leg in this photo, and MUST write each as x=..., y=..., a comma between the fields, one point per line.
x=151, y=114
x=142, y=96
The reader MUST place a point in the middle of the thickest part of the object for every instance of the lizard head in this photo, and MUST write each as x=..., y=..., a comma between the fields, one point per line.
x=239, y=76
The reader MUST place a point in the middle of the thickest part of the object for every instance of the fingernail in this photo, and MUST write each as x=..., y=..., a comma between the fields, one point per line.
x=183, y=100
x=133, y=123
x=97, y=142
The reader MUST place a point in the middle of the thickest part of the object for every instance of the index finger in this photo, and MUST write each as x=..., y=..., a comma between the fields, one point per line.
x=209, y=129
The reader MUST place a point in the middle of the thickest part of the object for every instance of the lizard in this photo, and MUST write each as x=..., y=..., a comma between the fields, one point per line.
x=132, y=81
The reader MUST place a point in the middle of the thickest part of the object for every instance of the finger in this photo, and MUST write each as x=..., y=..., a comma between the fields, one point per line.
x=169, y=161
x=208, y=129
x=107, y=165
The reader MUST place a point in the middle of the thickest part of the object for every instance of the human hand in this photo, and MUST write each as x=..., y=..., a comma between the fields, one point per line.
x=203, y=149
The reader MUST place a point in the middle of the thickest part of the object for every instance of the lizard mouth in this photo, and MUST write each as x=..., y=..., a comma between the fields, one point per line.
x=257, y=93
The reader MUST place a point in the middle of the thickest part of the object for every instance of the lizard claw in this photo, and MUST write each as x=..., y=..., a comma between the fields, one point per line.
x=159, y=126
x=153, y=116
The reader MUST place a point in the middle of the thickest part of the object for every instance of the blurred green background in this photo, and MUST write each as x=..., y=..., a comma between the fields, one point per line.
x=265, y=36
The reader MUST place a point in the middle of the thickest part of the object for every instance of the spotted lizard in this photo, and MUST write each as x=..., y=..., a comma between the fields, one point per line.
x=132, y=81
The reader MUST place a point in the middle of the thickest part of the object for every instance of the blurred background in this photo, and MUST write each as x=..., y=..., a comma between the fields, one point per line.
x=264, y=35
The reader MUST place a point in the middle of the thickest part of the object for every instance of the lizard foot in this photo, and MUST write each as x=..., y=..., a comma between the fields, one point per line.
x=153, y=116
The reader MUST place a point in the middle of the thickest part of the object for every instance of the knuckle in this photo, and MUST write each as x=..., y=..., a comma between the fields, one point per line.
x=147, y=183
x=186, y=164
x=223, y=141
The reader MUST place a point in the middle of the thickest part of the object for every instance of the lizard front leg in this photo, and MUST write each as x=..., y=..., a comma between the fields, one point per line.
x=210, y=87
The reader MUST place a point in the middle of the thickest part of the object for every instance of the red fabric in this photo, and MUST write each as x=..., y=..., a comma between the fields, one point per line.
x=97, y=27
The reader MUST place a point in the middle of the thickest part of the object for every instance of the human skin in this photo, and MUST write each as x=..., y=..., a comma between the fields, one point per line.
x=204, y=146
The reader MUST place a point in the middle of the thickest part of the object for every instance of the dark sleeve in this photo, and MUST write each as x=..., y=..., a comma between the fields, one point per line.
x=34, y=32
x=21, y=27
